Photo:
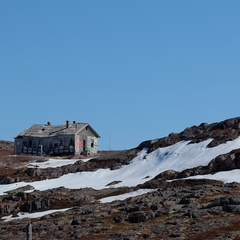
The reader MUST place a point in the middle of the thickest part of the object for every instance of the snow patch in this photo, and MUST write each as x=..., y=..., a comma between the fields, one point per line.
x=126, y=195
x=32, y=215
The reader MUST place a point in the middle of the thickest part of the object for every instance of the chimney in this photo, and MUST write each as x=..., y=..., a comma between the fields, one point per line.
x=49, y=123
x=67, y=124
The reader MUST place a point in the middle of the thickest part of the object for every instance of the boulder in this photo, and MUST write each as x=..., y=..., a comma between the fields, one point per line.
x=137, y=217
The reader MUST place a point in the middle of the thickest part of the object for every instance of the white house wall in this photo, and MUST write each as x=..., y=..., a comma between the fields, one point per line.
x=86, y=142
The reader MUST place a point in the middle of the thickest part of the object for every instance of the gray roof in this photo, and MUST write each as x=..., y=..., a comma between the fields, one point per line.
x=45, y=130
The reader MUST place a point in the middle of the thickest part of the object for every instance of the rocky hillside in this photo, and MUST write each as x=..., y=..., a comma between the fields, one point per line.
x=182, y=208
x=6, y=148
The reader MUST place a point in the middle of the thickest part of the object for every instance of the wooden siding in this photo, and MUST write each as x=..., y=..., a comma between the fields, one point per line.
x=76, y=138
x=86, y=142
x=60, y=145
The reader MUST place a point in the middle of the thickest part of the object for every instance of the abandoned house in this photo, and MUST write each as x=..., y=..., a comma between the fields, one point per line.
x=48, y=139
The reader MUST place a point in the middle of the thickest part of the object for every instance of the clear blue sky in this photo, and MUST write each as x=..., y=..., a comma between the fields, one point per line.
x=135, y=70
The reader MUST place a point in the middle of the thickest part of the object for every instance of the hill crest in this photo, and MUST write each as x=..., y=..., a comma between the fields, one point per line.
x=143, y=202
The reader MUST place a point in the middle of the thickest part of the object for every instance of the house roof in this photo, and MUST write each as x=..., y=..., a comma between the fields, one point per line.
x=46, y=130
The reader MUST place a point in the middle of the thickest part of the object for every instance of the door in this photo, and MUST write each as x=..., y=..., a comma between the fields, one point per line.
x=84, y=145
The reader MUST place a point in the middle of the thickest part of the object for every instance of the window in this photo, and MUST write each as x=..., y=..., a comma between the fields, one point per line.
x=92, y=144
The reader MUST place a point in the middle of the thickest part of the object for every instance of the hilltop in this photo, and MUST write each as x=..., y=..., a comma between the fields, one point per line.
x=183, y=186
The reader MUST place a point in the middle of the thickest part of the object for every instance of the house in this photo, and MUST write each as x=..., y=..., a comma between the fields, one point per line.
x=75, y=138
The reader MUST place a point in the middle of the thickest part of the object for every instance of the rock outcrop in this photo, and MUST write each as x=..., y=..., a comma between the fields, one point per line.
x=220, y=132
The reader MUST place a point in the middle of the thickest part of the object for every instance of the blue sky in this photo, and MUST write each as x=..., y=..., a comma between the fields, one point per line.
x=135, y=70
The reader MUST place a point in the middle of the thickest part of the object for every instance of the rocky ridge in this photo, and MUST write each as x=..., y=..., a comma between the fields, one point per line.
x=219, y=132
